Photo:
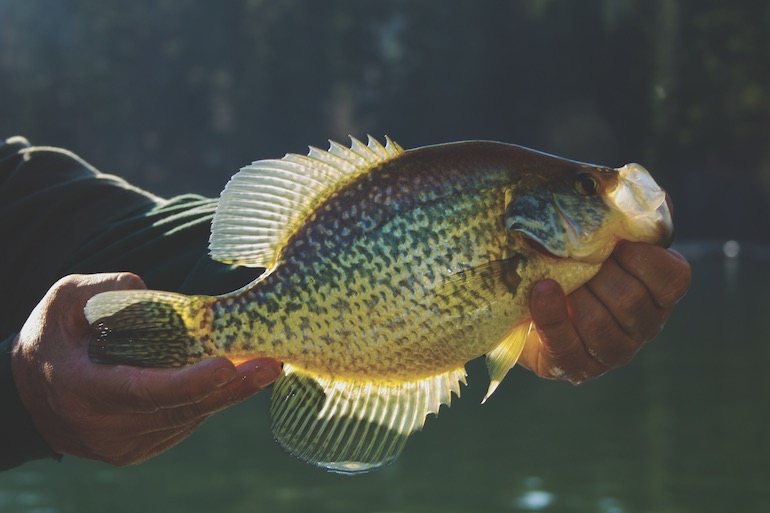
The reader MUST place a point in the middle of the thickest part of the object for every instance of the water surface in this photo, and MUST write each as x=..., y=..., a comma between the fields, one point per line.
x=680, y=429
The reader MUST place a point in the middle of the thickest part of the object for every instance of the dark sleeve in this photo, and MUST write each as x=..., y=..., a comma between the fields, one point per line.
x=58, y=216
x=19, y=440
x=51, y=203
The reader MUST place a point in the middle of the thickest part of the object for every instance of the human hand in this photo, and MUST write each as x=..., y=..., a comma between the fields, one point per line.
x=601, y=325
x=118, y=414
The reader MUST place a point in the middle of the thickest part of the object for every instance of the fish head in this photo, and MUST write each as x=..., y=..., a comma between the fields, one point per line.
x=581, y=211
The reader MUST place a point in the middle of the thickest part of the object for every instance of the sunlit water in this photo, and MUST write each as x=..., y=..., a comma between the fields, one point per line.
x=683, y=428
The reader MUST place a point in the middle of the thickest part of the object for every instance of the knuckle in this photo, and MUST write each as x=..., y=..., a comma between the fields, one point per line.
x=674, y=290
x=618, y=357
x=608, y=344
x=126, y=280
x=632, y=295
x=596, y=324
x=65, y=285
x=651, y=329
x=563, y=352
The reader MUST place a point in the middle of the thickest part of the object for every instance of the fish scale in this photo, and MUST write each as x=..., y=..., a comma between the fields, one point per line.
x=374, y=263
x=386, y=271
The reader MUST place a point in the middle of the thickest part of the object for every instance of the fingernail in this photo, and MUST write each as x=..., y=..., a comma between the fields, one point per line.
x=223, y=376
x=546, y=292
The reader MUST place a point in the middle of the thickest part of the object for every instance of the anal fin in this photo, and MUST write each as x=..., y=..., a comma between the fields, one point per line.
x=351, y=427
x=505, y=355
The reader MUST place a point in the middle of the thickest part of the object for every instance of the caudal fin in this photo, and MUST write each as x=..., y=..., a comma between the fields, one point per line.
x=143, y=328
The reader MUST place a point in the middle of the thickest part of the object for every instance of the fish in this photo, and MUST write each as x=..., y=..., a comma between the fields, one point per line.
x=386, y=271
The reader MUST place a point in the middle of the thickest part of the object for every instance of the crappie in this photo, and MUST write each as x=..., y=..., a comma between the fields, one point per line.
x=386, y=271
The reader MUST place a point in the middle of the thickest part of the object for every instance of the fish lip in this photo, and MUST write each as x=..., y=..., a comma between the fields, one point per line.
x=666, y=223
x=537, y=247
x=646, y=205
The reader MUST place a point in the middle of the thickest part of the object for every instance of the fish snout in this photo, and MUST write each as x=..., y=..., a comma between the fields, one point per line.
x=645, y=205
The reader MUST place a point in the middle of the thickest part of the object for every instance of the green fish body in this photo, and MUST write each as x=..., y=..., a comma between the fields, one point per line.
x=386, y=271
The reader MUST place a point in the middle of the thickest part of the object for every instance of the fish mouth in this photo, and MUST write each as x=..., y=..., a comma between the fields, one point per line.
x=538, y=247
x=646, y=206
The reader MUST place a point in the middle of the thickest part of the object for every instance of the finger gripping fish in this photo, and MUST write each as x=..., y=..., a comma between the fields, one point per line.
x=386, y=271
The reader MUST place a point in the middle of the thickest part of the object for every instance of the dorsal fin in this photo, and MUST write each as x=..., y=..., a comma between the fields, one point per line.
x=264, y=203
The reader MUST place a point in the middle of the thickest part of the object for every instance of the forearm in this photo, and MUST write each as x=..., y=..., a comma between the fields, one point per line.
x=19, y=440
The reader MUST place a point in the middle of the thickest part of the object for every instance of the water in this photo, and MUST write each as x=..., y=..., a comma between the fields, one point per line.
x=681, y=429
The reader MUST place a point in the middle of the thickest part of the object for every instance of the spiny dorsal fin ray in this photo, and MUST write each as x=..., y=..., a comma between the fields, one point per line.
x=264, y=203
x=352, y=427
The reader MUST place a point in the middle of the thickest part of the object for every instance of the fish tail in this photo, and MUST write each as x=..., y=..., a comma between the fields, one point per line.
x=147, y=328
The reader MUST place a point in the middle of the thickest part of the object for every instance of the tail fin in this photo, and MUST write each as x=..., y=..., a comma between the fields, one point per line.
x=143, y=328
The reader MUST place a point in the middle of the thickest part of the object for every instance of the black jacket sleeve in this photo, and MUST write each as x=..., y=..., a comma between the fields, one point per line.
x=20, y=440
x=58, y=216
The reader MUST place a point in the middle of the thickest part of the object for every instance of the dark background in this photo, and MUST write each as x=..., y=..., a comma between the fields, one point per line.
x=176, y=95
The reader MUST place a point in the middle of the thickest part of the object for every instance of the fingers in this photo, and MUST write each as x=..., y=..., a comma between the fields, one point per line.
x=549, y=312
x=150, y=424
x=81, y=287
x=204, y=387
x=625, y=303
x=68, y=296
x=605, y=340
x=253, y=376
x=170, y=441
x=128, y=447
x=665, y=273
x=559, y=349
x=119, y=414
x=602, y=324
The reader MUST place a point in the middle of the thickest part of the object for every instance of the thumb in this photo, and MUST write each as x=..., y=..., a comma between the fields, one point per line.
x=88, y=285
x=548, y=307
x=68, y=296
x=559, y=339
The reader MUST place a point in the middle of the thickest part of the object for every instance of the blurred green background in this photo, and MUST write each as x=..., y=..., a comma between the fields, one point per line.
x=176, y=95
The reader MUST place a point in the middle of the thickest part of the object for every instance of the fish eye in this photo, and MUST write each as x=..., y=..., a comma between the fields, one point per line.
x=586, y=184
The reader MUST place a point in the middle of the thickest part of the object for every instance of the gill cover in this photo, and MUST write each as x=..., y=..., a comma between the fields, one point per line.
x=535, y=216
x=565, y=216
x=583, y=214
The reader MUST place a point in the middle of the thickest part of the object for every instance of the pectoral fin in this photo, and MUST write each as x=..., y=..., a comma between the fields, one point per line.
x=504, y=356
x=351, y=427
